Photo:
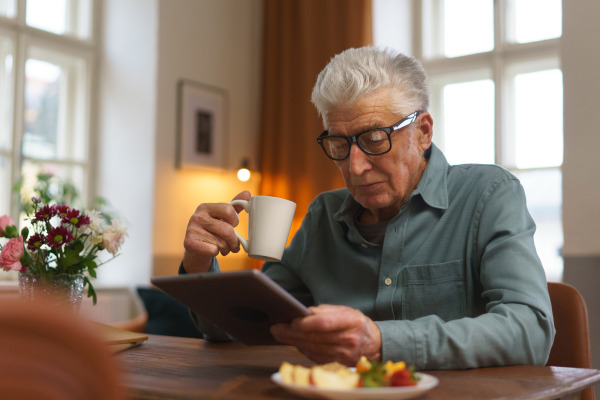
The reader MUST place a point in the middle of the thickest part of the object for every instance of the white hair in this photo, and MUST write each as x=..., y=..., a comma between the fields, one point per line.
x=359, y=72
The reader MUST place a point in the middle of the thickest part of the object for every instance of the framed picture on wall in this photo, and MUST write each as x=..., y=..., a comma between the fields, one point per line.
x=202, y=134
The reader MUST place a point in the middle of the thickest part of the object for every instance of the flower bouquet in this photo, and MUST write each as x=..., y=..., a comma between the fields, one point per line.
x=57, y=241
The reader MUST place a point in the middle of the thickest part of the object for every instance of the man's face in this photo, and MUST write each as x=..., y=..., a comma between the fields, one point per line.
x=381, y=184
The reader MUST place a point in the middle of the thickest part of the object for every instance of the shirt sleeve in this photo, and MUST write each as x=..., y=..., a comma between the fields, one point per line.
x=517, y=326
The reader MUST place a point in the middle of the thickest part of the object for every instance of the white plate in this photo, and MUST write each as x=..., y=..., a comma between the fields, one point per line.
x=425, y=383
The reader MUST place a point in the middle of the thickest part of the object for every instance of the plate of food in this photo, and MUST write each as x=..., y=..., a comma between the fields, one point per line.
x=369, y=380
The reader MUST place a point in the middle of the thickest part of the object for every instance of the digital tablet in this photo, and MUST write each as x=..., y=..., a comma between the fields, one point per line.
x=242, y=303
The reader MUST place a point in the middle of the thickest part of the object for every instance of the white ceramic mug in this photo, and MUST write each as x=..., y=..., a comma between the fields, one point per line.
x=269, y=223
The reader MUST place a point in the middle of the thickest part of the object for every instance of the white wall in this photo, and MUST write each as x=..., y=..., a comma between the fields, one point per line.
x=127, y=129
x=580, y=57
x=581, y=169
x=394, y=25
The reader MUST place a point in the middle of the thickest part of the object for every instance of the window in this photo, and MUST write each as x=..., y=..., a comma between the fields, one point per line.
x=46, y=69
x=497, y=95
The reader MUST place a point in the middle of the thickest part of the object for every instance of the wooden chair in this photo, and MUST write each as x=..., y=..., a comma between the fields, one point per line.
x=571, y=347
x=49, y=353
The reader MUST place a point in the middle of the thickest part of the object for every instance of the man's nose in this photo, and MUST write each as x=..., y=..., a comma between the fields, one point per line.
x=358, y=160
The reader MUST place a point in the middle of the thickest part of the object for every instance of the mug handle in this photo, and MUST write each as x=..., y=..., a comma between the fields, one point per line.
x=246, y=205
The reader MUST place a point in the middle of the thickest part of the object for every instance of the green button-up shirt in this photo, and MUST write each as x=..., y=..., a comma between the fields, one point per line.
x=457, y=282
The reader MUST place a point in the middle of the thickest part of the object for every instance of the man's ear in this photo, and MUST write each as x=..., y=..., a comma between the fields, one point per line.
x=425, y=130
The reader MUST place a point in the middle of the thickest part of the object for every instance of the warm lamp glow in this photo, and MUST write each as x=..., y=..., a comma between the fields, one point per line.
x=243, y=174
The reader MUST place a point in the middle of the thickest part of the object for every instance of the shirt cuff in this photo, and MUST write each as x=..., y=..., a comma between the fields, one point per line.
x=399, y=343
x=214, y=267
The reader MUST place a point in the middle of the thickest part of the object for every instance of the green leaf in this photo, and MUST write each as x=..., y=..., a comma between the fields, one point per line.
x=375, y=376
x=91, y=266
x=25, y=261
x=72, y=254
x=75, y=246
x=91, y=291
x=11, y=231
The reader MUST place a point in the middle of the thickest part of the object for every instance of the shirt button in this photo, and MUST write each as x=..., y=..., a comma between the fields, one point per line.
x=364, y=245
x=388, y=281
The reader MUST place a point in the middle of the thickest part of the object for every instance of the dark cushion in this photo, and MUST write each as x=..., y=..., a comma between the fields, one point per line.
x=166, y=316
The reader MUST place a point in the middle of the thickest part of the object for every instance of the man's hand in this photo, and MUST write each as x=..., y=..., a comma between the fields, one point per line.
x=210, y=232
x=332, y=333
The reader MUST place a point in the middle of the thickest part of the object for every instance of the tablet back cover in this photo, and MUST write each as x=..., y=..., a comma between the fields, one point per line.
x=243, y=303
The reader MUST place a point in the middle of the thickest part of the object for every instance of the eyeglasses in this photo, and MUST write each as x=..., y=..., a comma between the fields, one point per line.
x=373, y=142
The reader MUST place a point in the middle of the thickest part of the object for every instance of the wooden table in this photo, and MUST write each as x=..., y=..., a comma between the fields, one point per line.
x=180, y=368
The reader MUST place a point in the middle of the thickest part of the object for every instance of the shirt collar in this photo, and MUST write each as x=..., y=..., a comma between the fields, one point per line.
x=432, y=187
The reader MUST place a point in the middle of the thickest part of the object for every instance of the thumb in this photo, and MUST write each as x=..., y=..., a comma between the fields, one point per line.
x=245, y=195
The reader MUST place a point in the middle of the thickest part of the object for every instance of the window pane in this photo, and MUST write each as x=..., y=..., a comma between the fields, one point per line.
x=49, y=15
x=536, y=20
x=6, y=89
x=42, y=88
x=468, y=122
x=7, y=8
x=72, y=174
x=4, y=184
x=538, y=119
x=61, y=16
x=543, y=189
x=55, y=108
x=468, y=27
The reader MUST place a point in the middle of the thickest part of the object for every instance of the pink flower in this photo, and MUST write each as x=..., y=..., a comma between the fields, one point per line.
x=113, y=237
x=5, y=221
x=11, y=254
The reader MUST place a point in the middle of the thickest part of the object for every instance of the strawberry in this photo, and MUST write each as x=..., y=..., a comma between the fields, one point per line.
x=402, y=377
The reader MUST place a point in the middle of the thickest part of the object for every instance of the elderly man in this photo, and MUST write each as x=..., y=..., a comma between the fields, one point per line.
x=416, y=259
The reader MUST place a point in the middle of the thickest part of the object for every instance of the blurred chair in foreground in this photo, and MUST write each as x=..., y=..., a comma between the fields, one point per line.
x=49, y=353
x=571, y=346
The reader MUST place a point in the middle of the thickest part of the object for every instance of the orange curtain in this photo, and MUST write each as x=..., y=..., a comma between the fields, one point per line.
x=300, y=38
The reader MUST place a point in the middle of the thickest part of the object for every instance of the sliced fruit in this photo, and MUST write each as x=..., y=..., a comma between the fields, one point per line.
x=327, y=377
x=391, y=368
x=286, y=371
x=301, y=375
x=363, y=365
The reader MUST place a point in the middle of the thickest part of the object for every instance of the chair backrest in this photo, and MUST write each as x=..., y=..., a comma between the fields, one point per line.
x=571, y=347
x=49, y=353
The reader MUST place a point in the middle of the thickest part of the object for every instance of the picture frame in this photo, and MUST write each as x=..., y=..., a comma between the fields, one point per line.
x=202, y=126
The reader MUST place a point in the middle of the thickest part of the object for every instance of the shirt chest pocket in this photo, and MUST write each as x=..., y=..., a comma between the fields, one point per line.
x=434, y=289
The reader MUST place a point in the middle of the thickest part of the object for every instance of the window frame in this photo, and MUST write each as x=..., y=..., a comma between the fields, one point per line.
x=24, y=38
x=504, y=57
x=501, y=65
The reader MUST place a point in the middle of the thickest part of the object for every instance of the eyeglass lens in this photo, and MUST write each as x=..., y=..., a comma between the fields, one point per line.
x=372, y=142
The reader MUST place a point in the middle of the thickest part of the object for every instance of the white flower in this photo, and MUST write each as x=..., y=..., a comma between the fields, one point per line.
x=96, y=221
x=113, y=237
x=95, y=227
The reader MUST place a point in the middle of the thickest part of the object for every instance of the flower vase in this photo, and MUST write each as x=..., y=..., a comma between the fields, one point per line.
x=65, y=290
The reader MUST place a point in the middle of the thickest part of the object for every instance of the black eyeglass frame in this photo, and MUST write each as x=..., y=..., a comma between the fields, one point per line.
x=404, y=122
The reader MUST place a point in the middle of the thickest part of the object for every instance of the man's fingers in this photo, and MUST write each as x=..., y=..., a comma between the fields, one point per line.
x=327, y=318
x=245, y=195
